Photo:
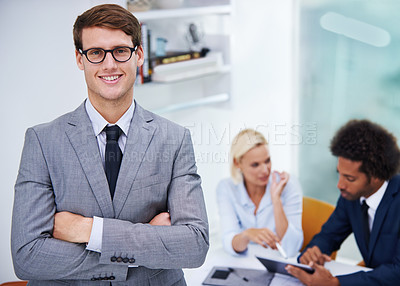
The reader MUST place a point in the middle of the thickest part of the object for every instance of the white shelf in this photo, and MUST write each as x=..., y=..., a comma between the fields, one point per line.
x=222, y=70
x=182, y=12
x=209, y=100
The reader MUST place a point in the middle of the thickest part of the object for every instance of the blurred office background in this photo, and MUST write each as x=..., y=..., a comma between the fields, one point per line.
x=300, y=69
x=349, y=67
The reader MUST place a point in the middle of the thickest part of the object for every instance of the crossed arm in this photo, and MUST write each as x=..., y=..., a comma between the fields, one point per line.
x=76, y=228
x=41, y=237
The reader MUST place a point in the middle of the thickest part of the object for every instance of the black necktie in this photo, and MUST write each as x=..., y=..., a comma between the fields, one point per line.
x=365, y=217
x=113, y=156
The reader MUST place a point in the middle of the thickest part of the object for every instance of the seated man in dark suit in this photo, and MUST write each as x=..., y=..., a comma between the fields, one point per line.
x=369, y=206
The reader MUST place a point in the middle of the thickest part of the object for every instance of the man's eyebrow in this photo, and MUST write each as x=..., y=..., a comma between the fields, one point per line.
x=345, y=175
x=349, y=176
x=112, y=47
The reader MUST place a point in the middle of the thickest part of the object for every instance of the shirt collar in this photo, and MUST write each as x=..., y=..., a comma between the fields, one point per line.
x=243, y=196
x=98, y=122
x=374, y=199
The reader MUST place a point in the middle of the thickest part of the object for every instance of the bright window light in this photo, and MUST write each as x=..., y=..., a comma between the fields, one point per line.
x=355, y=29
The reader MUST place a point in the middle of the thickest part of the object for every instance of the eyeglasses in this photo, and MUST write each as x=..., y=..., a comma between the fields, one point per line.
x=97, y=55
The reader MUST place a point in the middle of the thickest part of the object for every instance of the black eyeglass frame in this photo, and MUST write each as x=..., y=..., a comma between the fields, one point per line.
x=108, y=51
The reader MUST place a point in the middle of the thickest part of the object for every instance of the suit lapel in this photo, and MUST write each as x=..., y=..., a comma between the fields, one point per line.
x=140, y=134
x=83, y=140
x=380, y=215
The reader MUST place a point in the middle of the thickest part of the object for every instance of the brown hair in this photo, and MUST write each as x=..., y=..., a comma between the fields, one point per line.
x=110, y=16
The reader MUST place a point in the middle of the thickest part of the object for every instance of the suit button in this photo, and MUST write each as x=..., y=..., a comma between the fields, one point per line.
x=113, y=259
x=132, y=260
x=119, y=259
x=126, y=260
x=112, y=277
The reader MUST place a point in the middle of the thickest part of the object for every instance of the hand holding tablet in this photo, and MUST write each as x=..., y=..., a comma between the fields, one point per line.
x=278, y=266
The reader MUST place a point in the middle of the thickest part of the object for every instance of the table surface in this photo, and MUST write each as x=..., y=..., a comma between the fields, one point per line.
x=218, y=257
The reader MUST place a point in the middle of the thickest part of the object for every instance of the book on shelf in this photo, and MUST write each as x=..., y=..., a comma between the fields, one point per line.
x=176, y=71
x=145, y=70
x=175, y=56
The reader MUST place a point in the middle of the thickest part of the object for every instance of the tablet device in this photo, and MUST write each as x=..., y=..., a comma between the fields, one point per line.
x=278, y=266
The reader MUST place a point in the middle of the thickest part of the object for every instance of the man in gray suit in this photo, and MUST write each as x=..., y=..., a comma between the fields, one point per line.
x=72, y=224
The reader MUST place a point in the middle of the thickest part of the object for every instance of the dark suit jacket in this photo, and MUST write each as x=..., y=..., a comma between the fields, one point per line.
x=61, y=170
x=383, y=251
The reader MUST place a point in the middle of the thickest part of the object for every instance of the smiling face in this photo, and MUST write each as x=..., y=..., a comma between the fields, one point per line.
x=352, y=183
x=109, y=81
x=255, y=166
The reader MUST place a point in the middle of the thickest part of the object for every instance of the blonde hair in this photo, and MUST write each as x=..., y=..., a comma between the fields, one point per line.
x=242, y=143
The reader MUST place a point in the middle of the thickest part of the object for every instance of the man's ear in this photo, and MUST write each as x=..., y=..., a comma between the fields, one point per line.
x=376, y=181
x=79, y=60
x=140, y=56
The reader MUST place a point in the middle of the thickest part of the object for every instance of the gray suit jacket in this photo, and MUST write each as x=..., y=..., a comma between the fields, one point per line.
x=61, y=170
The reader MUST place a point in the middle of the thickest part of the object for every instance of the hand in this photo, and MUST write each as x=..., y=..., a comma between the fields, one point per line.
x=161, y=219
x=262, y=236
x=277, y=187
x=321, y=276
x=72, y=227
x=314, y=254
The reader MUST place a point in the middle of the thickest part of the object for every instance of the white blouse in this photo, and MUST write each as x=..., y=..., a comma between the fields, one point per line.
x=236, y=212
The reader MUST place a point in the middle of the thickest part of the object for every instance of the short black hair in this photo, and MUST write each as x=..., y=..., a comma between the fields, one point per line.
x=369, y=143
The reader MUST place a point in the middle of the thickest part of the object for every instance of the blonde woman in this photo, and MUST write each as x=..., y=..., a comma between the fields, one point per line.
x=256, y=204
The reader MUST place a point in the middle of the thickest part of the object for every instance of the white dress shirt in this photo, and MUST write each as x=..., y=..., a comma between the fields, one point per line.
x=373, y=202
x=237, y=213
x=98, y=123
